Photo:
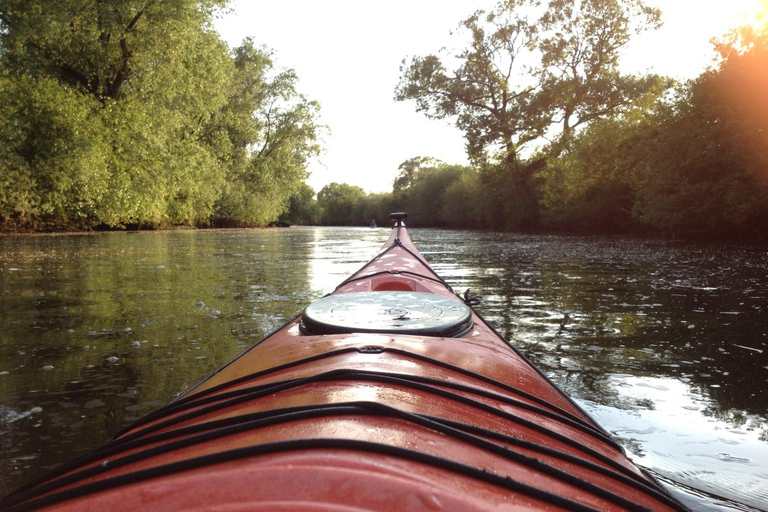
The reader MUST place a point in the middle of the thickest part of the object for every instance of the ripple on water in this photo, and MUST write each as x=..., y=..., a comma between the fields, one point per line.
x=683, y=443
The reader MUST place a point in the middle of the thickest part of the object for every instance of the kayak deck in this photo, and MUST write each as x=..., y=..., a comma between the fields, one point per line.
x=362, y=421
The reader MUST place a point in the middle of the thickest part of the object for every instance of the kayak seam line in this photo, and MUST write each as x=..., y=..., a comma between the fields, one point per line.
x=505, y=387
x=630, y=479
x=191, y=400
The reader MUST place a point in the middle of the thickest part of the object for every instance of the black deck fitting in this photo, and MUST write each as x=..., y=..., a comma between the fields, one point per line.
x=399, y=217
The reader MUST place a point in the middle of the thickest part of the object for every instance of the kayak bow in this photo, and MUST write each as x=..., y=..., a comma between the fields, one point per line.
x=391, y=393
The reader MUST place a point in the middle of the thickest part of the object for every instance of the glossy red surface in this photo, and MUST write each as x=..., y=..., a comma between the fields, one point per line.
x=395, y=423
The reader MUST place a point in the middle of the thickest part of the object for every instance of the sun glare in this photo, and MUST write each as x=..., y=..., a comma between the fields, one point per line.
x=734, y=13
x=748, y=12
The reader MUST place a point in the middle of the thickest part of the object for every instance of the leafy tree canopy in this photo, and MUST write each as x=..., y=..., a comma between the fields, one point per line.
x=529, y=65
x=338, y=204
x=124, y=112
x=409, y=169
x=273, y=132
x=99, y=46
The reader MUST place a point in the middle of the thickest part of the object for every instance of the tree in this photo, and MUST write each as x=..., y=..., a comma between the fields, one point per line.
x=704, y=169
x=426, y=196
x=421, y=189
x=338, y=205
x=273, y=131
x=103, y=47
x=52, y=156
x=143, y=74
x=591, y=185
x=302, y=208
x=408, y=171
x=739, y=86
x=692, y=164
x=580, y=42
x=528, y=66
x=463, y=202
x=137, y=113
x=376, y=207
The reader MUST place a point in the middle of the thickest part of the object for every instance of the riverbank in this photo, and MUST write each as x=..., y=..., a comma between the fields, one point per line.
x=757, y=238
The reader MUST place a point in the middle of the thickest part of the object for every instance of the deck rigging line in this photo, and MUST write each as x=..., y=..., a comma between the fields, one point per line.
x=230, y=426
x=353, y=375
x=303, y=445
x=216, y=429
x=235, y=397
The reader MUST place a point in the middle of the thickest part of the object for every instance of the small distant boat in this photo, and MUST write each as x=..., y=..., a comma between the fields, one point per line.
x=389, y=394
x=373, y=223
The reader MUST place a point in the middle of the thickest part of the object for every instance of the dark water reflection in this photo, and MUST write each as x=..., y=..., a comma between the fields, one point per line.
x=665, y=343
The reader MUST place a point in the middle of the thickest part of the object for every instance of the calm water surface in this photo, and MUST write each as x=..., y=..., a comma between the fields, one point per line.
x=664, y=343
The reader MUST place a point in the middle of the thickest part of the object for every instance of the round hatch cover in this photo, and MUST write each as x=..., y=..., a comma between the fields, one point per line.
x=425, y=314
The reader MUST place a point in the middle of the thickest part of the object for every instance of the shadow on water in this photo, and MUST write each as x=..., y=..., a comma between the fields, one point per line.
x=665, y=344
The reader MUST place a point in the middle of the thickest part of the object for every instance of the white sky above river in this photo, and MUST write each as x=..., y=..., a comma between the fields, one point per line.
x=347, y=54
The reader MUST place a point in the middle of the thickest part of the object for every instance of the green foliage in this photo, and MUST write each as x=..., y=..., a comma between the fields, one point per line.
x=52, y=155
x=464, y=202
x=438, y=194
x=136, y=113
x=378, y=207
x=528, y=66
x=434, y=194
x=105, y=48
x=739, y=86
x=303, y=209
x=276, y=126
x=408, y=170
x=580, y=44
x=696, y=165
x=707, y=171
x=339, y=205
x=591, y=186
x=692, y=161
x=426, y=195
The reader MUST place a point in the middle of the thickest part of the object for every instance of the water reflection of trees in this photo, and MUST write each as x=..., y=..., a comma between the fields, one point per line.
x=99, y=330
x=583, y=308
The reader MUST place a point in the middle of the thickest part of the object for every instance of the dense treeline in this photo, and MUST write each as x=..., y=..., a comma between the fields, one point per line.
x=692, y=164
x=649, y=155
x=137, y=113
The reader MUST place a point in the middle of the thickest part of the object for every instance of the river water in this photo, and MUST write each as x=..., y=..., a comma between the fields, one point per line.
x=664, y=343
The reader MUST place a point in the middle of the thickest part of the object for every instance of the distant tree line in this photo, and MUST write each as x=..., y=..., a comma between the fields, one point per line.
x=566, y=142
x=136, y=113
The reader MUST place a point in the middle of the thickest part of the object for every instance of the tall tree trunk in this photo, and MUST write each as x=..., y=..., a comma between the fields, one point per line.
x=520, y=176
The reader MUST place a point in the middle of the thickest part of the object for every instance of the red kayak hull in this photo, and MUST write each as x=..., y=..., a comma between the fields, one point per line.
x=361, y=421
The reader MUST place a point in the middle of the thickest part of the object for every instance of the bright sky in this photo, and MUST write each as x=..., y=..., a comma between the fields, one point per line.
x=347, y=54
